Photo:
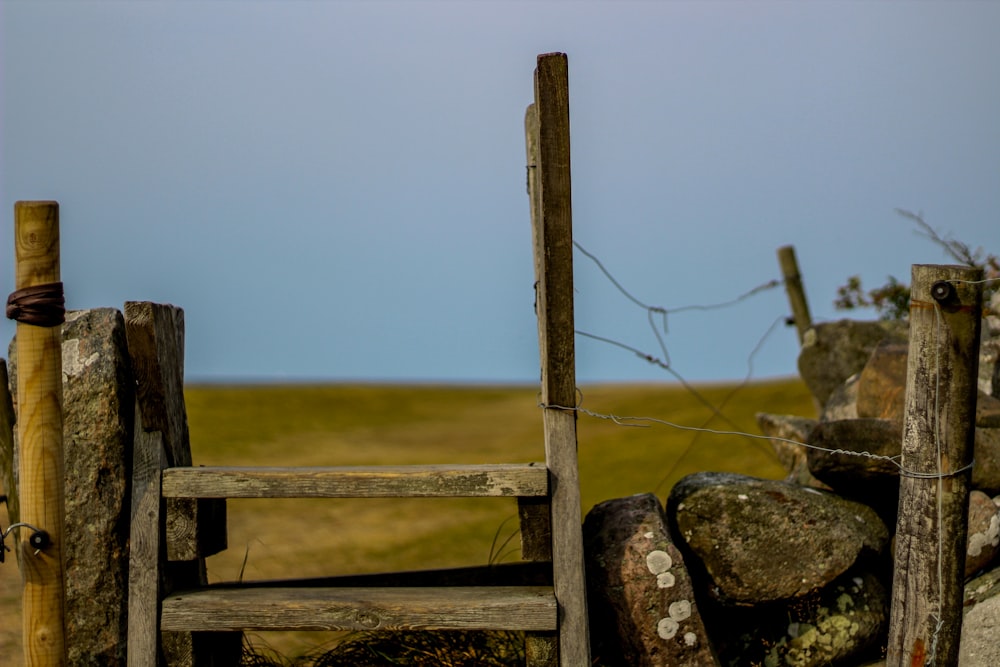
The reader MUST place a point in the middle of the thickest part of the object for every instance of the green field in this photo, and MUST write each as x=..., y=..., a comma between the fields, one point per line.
x=393, y=424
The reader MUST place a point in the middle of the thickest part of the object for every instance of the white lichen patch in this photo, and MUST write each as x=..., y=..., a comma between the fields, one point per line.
x=991, y=537
x=658, y=561
x=665, y=580
x=743, y=496
x=680, y=610
x=72, y=362
x=649, y=535
x=667, y=628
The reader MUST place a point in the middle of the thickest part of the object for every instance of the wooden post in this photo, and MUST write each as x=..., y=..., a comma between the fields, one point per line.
x=553, y=234
x=155, y=334
x=793, y=286
x=40, y=439
x=938, y=430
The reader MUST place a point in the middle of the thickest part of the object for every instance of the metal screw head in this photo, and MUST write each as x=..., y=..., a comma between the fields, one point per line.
x=39, y=539
x=943, y=291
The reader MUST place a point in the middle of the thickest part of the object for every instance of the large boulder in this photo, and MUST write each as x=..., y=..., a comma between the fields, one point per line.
x=765, y=540
x=642, y=604
x=833, y=351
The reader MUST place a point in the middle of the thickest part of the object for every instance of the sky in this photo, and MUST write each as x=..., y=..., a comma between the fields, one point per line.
x=335, y=191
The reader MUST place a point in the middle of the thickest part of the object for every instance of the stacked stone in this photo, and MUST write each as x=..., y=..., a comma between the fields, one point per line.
x=798, y=571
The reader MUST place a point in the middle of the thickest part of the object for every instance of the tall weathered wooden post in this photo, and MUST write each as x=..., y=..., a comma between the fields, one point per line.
x=548, y=147
x=37, y=305
x=938, y=430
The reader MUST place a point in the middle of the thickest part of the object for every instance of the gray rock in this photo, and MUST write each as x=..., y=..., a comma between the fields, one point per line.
x=986, y=469
x=837, y=460
x=983, y=534
x=97, y=439
x=764, y=540
x=987, y=411
x=781, y=429
x=642, y=604
x=833, y=351
x=843, y=402
x=979, y=646
x=989, y=366
x=882, y=382
x=981, y=622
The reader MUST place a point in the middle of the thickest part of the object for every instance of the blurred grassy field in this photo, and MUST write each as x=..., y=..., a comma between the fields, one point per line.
x=376, y=424
x=393, y=424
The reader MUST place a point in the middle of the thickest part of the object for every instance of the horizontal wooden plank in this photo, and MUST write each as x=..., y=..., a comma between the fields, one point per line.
x=517, y=480
x=531, y=608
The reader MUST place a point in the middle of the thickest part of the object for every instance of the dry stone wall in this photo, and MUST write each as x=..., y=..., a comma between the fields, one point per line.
x=797, y=572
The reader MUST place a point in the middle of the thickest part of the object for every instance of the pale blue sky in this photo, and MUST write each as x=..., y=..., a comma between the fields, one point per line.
x=335, y=190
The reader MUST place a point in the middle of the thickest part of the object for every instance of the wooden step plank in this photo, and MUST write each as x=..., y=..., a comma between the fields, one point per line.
x=530, y=608
x=512, y=480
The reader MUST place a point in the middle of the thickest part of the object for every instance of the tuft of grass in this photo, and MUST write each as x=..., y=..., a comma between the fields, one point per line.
x=416, y=649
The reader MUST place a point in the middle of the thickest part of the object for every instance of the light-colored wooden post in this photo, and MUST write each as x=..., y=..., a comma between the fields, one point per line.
x=926, y=614
x=553, y=224
x=40, y=439
x=794, y=289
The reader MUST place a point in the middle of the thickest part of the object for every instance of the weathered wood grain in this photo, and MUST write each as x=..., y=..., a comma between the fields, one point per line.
x=146, y=552
x=454, y=608
x=155, y=334
x=938, y=429
x=500, y=480
x=553, y=240
x=40, y=439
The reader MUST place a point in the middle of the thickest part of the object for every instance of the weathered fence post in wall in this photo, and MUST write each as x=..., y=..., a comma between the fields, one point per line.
x=38, y=310
x=793, y=287
x=552, y=218
x=926, y=613
x=191, y=530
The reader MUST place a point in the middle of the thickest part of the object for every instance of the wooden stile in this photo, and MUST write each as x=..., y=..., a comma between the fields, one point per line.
x=40, y=439
x=938, y=430
x=554, y=617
